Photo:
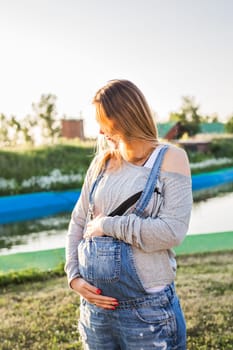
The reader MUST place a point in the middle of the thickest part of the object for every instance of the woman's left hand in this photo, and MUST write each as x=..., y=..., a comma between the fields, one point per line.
x=94, y=228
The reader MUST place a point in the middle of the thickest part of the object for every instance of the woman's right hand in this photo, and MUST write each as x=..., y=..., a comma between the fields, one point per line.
x=93, y=294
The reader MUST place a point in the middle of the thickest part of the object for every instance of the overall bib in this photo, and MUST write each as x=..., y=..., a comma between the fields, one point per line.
x=142, y=321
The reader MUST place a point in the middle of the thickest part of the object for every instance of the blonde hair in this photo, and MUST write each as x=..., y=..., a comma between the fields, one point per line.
x=124, y=105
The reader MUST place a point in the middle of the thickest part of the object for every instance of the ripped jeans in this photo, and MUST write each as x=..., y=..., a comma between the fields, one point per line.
x=142, y=321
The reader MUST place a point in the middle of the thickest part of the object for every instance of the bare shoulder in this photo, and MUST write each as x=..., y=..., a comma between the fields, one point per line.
x=176, y=160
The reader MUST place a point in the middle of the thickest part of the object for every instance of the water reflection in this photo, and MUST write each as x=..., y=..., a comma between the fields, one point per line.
x=47, y=233
x=211, y=215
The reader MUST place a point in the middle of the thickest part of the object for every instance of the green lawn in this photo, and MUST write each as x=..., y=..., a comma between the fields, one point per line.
x=43, y=314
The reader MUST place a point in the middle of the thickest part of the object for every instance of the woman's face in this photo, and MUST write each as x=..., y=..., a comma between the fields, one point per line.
x=108, y=129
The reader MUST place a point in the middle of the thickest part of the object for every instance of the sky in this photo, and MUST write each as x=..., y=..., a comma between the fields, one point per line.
x=70, y=48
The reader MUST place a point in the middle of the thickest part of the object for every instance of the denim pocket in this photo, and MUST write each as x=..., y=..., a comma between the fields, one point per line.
x=152, y=314
x=100, y=259
x=158, y=319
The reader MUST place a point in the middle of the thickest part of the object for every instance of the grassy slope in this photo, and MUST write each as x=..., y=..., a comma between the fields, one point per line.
x=43, y=315
x=24, y=163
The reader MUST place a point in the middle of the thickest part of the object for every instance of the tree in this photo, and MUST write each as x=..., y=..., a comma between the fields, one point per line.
x=229, y=125
x=210, y=118
x=46, y=114
x=4, y=130
x=28, y=125
x=188, y=117
x=15, y=131
x=42, y=126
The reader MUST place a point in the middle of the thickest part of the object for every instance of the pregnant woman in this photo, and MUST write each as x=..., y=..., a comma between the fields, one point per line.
x=119, y=255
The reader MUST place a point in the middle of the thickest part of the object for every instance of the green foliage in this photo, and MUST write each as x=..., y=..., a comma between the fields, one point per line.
x=210, y=119
x=229, y=125
x=211, y=168
x=22, y=165
x=46, y=114
x=222, y=147
x=188, y=117
x=31, y=275
x=195, y=157
x=4, y=131
x=202, y=195
x=219, y=148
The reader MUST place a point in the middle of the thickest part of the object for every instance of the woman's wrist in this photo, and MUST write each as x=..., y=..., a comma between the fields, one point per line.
x=74, y=280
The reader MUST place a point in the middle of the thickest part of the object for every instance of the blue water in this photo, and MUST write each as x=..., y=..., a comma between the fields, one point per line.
x=32, y=206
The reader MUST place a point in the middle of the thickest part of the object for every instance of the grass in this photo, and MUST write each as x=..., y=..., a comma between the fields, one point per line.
x=212, y=192
x=39, y=315
x=22, y=164
x=44, y=314
x=205, y=285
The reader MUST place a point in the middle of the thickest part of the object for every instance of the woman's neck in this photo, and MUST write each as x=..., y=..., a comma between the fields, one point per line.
x=136, y=152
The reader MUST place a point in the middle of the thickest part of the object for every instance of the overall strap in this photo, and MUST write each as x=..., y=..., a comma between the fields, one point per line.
x=94, y=185
x=151, y=183
x=93, y=188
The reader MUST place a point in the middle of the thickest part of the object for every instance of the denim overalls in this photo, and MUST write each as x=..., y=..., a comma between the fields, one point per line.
x=142, y=321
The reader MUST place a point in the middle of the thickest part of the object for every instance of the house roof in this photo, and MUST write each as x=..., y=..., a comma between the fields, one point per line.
x=164, y=128
x=205, y=128
x=208, y=128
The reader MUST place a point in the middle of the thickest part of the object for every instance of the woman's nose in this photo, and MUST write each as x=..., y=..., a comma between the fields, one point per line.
x=101, y=132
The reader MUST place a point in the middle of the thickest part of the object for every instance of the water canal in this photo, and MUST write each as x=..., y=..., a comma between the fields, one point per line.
x=211, y=215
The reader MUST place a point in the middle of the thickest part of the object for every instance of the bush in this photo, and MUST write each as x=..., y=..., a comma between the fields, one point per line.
x=222, y=147
x=32, y=275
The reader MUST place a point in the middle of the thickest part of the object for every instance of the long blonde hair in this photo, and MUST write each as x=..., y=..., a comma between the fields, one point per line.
x=124, y=105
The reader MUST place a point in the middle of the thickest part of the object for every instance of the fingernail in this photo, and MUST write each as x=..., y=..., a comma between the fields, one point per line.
x=113, y=308
x=98, y=291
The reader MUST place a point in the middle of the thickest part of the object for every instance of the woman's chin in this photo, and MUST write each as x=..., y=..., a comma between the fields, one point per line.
x=112, y=143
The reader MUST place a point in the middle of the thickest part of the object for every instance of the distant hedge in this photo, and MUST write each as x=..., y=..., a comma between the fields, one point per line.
x=21, y=165
x=222, y=147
